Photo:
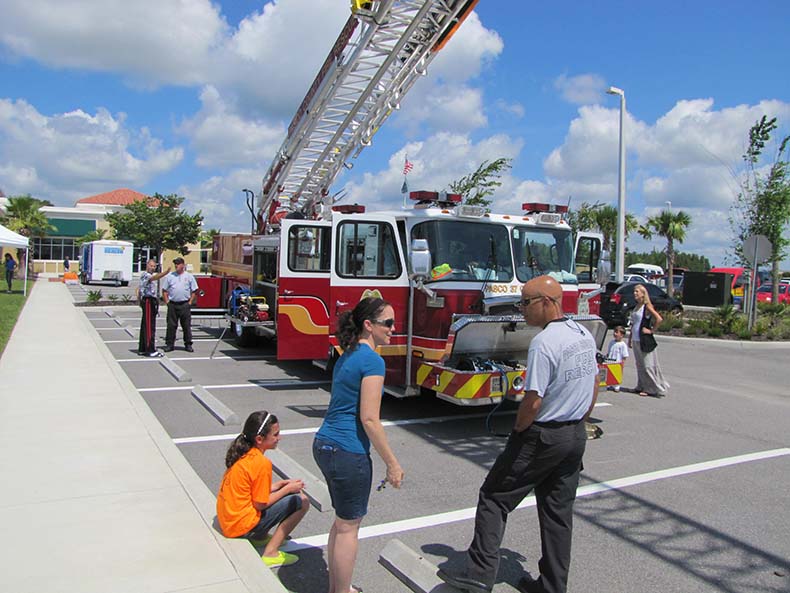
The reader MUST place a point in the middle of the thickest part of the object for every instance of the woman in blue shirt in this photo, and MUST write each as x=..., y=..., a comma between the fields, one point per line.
x=342, y=445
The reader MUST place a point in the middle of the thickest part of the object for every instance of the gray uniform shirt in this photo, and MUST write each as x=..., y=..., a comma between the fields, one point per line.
x=179, y=287
x=562, y=369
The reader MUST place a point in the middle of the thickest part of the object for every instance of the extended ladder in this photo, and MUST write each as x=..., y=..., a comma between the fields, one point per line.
x=382, y=50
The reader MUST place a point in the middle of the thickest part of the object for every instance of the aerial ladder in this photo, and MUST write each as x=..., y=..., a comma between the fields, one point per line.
x=383, y=49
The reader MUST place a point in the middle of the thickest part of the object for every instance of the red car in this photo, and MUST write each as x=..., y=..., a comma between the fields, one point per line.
x=765, y=293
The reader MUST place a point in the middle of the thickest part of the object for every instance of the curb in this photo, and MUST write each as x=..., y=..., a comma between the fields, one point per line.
x=255, y=576
x=736, y=344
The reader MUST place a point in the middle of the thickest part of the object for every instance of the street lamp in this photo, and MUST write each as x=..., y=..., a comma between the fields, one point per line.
x=620, y=253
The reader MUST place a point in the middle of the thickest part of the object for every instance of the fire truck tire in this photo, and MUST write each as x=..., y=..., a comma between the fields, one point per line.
x=245, y=336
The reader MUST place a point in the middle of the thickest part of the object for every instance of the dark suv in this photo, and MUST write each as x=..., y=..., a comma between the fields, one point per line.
x=617, y=302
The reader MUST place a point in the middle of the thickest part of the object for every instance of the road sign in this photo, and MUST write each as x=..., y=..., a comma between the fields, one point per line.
x=757, y=249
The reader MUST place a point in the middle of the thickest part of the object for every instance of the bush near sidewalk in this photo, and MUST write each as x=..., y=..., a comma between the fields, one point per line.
x=10, y=306
x=772, y=323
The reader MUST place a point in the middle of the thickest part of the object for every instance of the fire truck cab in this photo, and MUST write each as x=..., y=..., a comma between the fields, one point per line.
x=453, y=274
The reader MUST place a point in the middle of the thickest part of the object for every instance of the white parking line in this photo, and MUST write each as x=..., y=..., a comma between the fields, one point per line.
x=588, y=490
x=223, y=357
x=136, y=341
x=310, y=430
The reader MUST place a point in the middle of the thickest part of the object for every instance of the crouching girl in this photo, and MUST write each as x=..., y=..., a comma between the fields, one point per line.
x=249, y=504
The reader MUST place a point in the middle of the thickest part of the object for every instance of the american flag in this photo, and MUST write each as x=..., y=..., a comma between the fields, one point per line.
x=407, y=166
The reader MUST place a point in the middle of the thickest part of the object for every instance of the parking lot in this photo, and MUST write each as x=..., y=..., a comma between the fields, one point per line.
x=686, y=493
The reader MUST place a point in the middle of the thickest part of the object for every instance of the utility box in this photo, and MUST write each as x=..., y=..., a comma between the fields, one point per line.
x=707, y=289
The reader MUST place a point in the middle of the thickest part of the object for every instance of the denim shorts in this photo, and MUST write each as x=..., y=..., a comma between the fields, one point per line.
x=348, y=477
x=274, y=515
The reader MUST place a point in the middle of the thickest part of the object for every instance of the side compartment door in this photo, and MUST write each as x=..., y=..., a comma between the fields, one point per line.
x=591, y=270
x=368, y=260
x=303, y=290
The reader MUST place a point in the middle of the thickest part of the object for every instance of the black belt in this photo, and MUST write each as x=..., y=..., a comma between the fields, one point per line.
x=178, y=302
x=556, y=424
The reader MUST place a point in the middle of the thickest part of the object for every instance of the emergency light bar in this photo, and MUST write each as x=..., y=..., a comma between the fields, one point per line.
x=470, y=211
x=435, y=196
x=349, y=209
x=541, y=207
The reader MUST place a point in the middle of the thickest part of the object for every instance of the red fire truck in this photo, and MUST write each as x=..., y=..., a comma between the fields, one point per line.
x=452, y=271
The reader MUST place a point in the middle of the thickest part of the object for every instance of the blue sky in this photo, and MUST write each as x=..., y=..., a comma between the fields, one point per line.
x=193, y=97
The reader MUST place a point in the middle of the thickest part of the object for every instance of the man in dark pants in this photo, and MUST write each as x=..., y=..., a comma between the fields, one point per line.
x=149, y=303
x=179, y=290
x=544, y=451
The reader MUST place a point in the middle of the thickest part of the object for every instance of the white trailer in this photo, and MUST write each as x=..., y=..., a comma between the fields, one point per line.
x=106, y=261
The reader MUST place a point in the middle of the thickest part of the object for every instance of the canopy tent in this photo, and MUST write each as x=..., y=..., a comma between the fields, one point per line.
x=9, y=238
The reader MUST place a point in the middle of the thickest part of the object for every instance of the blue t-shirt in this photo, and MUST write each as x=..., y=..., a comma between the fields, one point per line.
x=10, y=264
x=342, y=425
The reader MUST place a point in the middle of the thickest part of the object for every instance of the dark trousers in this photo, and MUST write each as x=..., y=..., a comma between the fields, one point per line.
x=179, y=312
x=150, y=307
x=9, y=278
x=548, y=461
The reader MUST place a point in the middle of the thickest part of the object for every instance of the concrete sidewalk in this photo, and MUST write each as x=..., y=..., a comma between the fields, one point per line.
x=95, y=495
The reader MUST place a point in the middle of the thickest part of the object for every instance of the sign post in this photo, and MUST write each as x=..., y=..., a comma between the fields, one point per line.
x=757, y=249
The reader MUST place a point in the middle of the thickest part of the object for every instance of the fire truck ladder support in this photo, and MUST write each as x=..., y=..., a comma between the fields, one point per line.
x=384, y=47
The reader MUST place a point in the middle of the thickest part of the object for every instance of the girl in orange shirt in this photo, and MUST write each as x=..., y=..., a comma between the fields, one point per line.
x=248, y=503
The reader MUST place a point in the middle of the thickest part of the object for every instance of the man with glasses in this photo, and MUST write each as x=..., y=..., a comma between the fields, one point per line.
x=544, y=451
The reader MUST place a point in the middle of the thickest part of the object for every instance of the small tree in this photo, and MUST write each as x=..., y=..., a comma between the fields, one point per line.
x=763, y=205
x=602, y=218
x=672, y=226
x=24, y=216
x=475, y=187
x=157, y=222
x=95, y=235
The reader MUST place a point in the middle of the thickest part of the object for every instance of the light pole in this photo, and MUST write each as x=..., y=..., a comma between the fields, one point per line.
x=620, y=253
x=669, y=205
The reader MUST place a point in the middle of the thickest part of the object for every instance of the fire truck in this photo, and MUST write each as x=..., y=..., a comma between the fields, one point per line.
x=452, y=272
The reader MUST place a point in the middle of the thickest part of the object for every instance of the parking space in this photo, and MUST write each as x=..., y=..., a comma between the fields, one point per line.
x=683, y=505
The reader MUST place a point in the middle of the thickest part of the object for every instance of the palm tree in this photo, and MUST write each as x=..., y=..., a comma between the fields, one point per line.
x=672, y=226
x=24, y=216
x=604, y=218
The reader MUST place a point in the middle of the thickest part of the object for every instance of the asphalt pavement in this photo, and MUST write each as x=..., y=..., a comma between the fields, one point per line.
x=684, y=494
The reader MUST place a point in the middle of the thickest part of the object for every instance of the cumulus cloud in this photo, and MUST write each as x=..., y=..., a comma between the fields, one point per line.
x=438, y=160
x=221, y=137
x=688, y=156
x=580, y=90
x=75, y=150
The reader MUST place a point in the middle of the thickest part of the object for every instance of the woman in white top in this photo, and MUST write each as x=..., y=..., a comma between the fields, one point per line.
x=650, y=380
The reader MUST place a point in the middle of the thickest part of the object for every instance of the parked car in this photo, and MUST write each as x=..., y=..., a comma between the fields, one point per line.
x=629, y=278
x=765, y=293
x=617, y=302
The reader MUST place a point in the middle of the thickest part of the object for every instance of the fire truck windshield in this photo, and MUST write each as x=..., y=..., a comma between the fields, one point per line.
x=464, y=250
x=541, y=251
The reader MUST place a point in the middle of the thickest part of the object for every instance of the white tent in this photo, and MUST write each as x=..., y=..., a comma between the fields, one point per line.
x=9, y=238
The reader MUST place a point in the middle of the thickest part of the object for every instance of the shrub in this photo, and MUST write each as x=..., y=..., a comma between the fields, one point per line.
x=94, y=296
x=127, y=298
x=761, y=326
x=739, y=326
x=715, y=331
x=744, y=334
x=695, y=327
x=670, y=322
x=112, y=298
x=724, y=317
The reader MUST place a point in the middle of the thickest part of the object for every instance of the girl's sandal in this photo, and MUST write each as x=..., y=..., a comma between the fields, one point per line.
x=643, y=393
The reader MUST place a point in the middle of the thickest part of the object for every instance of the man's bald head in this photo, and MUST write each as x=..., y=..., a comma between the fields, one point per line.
x=541, y=300
x=543, y=286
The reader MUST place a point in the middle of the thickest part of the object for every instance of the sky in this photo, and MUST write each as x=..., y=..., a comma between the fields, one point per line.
x=194, y=97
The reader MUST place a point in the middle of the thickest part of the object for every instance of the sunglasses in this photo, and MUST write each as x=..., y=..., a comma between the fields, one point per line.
x=385, y=322
x=526, y=302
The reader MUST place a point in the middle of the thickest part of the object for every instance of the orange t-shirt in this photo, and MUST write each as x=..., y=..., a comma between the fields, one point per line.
x=250, y=478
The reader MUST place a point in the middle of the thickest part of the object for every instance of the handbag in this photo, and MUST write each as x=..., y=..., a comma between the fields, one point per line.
x=647, y=342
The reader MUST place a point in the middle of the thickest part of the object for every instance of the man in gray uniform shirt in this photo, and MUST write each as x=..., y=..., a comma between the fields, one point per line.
x=544, y=451
x=179, y=290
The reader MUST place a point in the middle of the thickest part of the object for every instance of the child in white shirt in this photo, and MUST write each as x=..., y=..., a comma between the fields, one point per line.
x=618, y=351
